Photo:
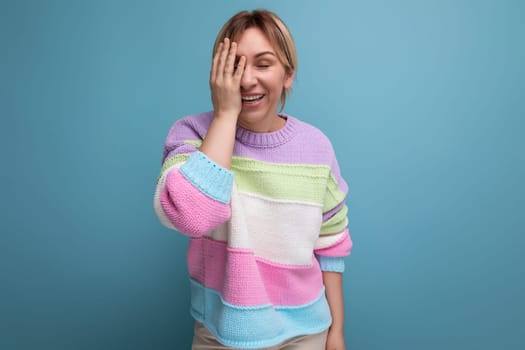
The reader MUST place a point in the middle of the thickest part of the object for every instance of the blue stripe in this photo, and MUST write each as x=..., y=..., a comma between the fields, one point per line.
x=332, y=264
x=256, y=327
x=209, y=177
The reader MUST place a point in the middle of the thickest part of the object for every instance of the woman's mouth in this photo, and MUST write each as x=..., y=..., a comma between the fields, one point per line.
x=251, y=99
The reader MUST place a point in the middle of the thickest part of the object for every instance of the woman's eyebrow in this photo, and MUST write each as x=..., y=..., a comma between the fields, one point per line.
x=237, y=57
x=265, y=53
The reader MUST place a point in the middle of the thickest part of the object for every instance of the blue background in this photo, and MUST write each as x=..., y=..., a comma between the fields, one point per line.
x=424, y=103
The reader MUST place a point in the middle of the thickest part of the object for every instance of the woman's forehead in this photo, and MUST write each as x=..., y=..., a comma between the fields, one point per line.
x=255, y=41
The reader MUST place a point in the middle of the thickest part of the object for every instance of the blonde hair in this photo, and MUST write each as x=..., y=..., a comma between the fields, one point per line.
x=275, y=31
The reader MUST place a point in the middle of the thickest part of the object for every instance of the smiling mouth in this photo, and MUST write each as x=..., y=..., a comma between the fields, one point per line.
x=252, y=98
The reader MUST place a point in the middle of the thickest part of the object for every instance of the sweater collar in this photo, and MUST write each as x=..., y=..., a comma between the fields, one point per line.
x=268, y=139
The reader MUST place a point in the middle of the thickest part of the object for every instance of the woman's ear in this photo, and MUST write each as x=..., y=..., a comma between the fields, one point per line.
x=288, y=80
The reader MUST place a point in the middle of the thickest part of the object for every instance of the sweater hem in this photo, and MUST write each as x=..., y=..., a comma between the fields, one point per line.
x=257, y=344
x=260, y=327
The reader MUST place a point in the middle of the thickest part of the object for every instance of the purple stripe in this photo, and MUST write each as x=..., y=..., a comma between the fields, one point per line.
x=192, y=127
x=304, y=143
x=332, y=212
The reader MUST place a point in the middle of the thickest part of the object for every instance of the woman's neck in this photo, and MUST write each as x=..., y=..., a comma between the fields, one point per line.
x=264, y=126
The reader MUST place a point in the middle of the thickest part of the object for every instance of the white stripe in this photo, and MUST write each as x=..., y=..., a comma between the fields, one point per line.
x=281, y=231
x=326, y=241
x=284, y=201
x=156, y=198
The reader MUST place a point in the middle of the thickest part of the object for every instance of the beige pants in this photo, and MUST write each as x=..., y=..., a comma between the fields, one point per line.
x=204, y=340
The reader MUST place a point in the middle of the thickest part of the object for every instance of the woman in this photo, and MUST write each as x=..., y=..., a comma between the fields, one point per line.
x=261, y=197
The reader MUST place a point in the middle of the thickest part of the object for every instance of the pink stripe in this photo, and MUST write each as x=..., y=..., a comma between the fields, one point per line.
x=188, y=209
x=340, y=248
x=246, y=280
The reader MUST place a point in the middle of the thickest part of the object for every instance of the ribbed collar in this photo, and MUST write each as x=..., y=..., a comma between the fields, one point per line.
x=268, y=139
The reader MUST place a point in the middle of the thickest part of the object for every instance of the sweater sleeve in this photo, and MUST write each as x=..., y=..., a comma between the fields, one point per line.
x=193, y=192
x=334, y=242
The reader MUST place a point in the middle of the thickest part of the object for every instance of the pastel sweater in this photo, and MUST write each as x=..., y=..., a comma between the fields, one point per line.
x=260, y=234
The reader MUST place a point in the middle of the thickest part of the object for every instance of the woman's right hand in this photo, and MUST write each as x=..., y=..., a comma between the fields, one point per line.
x=225, y=80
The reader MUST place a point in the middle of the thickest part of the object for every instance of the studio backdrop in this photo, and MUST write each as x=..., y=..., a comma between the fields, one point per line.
x=424, y=104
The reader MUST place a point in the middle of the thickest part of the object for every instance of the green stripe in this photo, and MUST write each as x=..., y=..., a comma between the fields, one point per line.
x=336, y=223
x=179, y=158
x=196, y=143
x=300, y=182
x=334, y=195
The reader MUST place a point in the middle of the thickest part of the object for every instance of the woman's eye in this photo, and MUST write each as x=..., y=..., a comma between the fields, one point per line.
x=263, y=65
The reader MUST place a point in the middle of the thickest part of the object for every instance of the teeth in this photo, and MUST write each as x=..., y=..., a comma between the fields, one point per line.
x=252, y=98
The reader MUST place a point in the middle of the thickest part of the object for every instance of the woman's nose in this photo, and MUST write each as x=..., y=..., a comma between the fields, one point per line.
x=248, y=79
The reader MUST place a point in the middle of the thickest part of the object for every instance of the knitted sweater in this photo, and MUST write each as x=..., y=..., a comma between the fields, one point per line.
x=260, y=234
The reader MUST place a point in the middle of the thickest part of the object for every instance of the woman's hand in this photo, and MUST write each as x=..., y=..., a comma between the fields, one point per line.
x=225, y=86
x=335, y=340
x=225, y=81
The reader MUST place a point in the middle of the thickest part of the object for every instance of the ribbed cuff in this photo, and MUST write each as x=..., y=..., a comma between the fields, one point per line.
x=209, y=177
x=331, y=264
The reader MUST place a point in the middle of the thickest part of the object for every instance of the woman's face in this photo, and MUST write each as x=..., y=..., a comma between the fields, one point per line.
x=262, y=82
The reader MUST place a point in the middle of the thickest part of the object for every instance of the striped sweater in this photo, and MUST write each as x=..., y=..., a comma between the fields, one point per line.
x=260, y=233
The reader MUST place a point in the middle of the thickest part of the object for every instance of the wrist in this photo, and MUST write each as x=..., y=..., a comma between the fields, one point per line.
x=336, y=327
x=227, y=116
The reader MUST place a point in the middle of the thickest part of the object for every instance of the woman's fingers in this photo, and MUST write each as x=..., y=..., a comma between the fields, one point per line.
x=215, y=63
x=223, y=65
x=225, y=78
x=222, y=58
x=240, y=69
x=230, y=60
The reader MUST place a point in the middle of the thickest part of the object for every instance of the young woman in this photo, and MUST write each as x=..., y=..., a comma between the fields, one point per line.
x=261, y=197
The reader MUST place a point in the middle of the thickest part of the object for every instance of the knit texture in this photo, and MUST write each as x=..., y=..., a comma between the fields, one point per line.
x=260, y=233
